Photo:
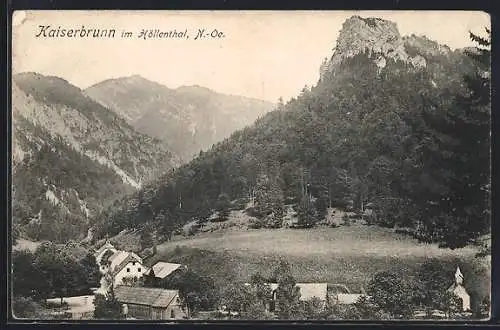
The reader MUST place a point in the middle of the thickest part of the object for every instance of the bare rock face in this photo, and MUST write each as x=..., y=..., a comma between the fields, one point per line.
x=382, y=41
x=63, y=111
x=425, y=45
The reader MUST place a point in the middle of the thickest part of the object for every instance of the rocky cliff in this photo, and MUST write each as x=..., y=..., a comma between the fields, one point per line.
x=382, y=41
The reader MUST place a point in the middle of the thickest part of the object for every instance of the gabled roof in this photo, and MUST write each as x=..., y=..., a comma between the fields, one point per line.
x=349, y=298
x=309, y=291
x=129, y=258
x=163, y=269
x=119, y=257
x=145, y=296
x=108, y=245
x=338, y=288
x=106, y=255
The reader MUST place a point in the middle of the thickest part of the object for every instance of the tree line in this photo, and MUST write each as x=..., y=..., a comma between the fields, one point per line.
x=388, y=296
x=51, y=271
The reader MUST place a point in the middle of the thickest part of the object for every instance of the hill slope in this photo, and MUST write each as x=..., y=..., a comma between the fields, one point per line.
x=379, y=130
x=72, y=157
x=189, y=118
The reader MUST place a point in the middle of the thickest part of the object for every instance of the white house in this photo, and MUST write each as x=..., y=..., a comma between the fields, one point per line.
x=349, y=298
x=308, y=291
x=459, y=290
x=126, y=265
x=119, y=265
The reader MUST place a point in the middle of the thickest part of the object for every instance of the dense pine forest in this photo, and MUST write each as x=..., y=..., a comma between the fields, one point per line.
x=410, y=143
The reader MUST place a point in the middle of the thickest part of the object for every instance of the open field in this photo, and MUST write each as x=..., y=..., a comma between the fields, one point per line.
x=355, y=240
x=348, y=254
x=24, y=244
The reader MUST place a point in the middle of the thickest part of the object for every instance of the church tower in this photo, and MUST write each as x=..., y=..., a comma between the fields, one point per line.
x=459, y=277
x=459, y=290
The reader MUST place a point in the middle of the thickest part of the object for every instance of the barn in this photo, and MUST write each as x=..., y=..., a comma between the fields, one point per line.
x=150, y=303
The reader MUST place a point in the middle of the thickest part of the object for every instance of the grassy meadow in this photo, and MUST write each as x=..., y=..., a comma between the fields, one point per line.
x=348, y=254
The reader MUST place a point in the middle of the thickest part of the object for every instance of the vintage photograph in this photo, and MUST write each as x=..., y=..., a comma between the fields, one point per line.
x=250, y=165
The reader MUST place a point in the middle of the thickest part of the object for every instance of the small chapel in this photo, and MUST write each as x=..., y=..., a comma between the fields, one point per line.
x=459, y=290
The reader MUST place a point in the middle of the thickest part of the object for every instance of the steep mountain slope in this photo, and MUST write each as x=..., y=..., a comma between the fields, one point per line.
x=378, y=129
x=71, y=157
x=189, y=118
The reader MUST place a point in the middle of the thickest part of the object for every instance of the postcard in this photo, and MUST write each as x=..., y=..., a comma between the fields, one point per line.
x=250, y=165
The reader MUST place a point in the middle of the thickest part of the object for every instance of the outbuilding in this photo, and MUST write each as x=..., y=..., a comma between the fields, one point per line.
x=150, y=303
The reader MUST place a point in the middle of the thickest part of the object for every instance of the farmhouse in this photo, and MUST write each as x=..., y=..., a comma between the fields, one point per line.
x=126, y=267
x=308, y=291
x=340, y=294
x=324, y=292
x=150, y=303
x=123, y=266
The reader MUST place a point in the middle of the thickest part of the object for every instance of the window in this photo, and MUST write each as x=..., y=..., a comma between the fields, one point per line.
x=139, y=269
x=172, y=314
x=133, y=263
x=128, y=270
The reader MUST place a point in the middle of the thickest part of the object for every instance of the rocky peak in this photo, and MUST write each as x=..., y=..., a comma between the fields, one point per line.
x=381, y=38
x=358, y=33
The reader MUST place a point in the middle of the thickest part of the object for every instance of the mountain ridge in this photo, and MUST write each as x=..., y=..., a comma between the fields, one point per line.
x=71, y=156
x=188, y=118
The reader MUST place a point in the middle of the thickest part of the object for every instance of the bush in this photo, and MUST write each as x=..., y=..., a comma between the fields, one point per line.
x=177, y=250
x=252, y=212
x=346, y=221
x=255, y=224
x=107, y=308
x=27, y=308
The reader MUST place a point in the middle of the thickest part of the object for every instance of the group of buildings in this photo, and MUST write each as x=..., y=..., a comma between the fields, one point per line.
x=323, y=292
x=341, y=295
x=122, y=270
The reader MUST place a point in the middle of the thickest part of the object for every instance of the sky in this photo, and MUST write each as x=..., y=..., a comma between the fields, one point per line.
x=264, y=55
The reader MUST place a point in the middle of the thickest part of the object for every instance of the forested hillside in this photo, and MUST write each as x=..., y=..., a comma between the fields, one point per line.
x=71, y=158
x=397, y=124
